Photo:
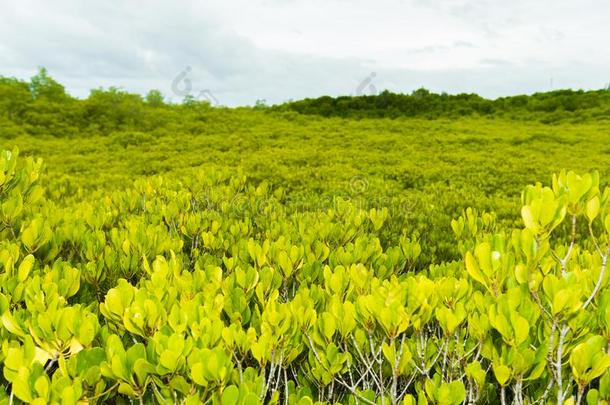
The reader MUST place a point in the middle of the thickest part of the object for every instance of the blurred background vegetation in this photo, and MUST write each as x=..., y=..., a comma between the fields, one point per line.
x=426, y=157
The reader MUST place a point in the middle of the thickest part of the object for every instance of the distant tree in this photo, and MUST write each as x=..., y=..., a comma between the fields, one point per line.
x=112, y=109
x=192, y=103
x=44, y=86
x=154, y=98
x=14, y=97
x=421, y=92
x=189, y=100
x=260, y=104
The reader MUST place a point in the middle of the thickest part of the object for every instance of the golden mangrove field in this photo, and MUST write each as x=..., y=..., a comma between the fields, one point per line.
x=156, y=254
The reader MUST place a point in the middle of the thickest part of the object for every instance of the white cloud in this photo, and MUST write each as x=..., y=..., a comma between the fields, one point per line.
x=243, y=50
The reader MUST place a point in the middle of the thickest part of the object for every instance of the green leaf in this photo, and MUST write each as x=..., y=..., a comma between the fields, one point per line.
x=593, y=206
x=251, y=399
x=25, y=267
x=564, y=299
x=473, y=269
x=475, y=371
x=451, y=394
x=521, y=328
x=409, y=400
x=483, y=254
x=126, y=389
x=502, y=373
x=11, y=324
x=230, y=395
x=389, y=352
x=521, y=274
x=169, y=359
x=328, y=325
x=528, y=218
x=198, y=374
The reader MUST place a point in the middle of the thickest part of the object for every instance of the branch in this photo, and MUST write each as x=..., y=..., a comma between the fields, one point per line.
x=558, y=364
x=599, y=279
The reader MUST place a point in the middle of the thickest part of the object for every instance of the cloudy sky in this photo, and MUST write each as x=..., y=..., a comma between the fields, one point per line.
x=237, y=51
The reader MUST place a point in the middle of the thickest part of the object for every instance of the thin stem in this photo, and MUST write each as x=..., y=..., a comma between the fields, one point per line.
x=558, y=364
x=279, y=374
x=379, y=360
x=599, y=279
x=519, y=391
x=353, y=391
x=599, y=250
x=572, y=240
x=239, y=368
x=101, y=394
x=49, y=365
x=369, y=366
x=581, y=391
x=407, y=385
x=395, y=370
x=443, y=366
x=156, y=389
x=285, y=387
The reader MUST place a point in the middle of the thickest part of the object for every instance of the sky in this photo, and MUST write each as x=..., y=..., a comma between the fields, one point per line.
x=235, y=52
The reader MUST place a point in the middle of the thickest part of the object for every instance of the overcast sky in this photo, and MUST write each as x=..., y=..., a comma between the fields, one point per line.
x=237, y=51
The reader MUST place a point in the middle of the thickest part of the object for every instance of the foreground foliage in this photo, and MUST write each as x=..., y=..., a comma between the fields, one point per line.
x=209, y=290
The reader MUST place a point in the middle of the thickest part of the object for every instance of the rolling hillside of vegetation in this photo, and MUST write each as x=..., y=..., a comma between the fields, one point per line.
x=551, y=107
